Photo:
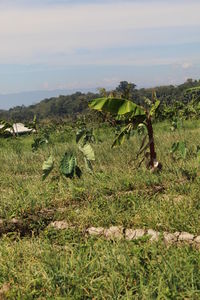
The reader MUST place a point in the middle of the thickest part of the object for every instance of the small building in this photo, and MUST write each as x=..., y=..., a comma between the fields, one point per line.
x=18, y=128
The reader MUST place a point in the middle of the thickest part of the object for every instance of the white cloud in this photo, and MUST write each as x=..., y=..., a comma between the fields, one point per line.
x=52, y=34
x=187, y=65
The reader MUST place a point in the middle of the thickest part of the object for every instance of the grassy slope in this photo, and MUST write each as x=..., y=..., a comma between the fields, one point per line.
x=53, y=264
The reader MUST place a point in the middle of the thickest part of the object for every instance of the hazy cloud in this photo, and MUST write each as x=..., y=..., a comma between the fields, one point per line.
x=48, y=44
x=54, y=34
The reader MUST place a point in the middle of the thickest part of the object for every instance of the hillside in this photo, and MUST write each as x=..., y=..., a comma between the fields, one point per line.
x=61, y=106
x=77, y=103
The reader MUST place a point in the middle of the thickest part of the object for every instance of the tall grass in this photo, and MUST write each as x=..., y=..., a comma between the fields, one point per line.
x=67, y=265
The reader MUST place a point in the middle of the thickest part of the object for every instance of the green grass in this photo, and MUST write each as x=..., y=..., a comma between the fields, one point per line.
x=67, y=265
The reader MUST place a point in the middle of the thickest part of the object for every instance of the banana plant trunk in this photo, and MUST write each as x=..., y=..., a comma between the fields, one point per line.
x=151, y=142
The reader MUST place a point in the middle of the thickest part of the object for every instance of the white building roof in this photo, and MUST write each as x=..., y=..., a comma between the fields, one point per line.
x=18, y=128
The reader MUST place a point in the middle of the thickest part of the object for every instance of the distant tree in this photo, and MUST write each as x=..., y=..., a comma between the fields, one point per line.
x=126, y=89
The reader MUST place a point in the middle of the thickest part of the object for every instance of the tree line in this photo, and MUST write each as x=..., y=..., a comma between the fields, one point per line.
x=70, y=106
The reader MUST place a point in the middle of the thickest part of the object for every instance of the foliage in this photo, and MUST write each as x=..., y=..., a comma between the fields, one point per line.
x=71, y=106
x=84, y=138
x=6, y=125
x=180, y=148
x=133, y=115
x=117, y=106
x=174, y=125
x=119, y=140
x=47, y=167
x=33, y=125
x=38, y=142
x=68, y=166
x=40, y=139
x=56, y=264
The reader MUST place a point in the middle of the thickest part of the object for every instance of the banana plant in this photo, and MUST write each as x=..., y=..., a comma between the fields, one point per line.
x=133, y=115
x=193, y=93
x=5, y=126
x=33, y=125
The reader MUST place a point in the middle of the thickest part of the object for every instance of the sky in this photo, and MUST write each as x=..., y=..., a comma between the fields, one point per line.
x=75, y=44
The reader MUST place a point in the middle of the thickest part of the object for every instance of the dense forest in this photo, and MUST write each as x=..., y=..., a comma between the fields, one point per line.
x=77, y=103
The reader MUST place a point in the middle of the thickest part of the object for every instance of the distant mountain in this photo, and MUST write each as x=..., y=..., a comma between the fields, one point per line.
x=8, y=101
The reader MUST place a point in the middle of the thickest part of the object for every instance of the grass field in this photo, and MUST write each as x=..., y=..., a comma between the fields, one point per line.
x=49, y=264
